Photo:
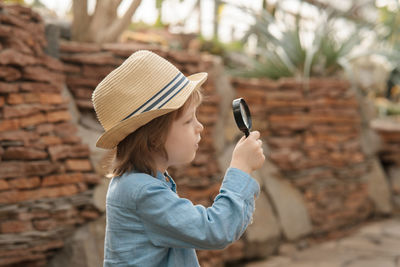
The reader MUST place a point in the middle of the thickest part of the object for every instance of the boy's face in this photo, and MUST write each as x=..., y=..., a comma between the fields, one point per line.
x=183, y=137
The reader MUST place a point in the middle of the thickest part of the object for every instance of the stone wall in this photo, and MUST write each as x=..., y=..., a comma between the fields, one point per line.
x=46, y=177
x=314, y=136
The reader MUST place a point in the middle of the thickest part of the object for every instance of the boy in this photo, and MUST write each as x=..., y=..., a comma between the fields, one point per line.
x=148, y=110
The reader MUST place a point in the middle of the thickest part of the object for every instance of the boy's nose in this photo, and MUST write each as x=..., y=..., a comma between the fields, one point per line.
x=200, y=127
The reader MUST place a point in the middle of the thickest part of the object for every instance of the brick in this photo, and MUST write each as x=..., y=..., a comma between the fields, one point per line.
x=9, y=74
x=52, y=63
x=84, y=104
x=26, y=257
x=14, y=99
x=39, y=87
x=98, y=72
x=72, y=69
x=8, y=87
x=22, y=110
x=5, y=30
x=50, y=140
x=78, y=165
x=91, y=178
x=24, y=136
x=51, y=98
x=57, y=116
x=32, y=120
x=124, y=50
x=65, y=213
x=100, y=58
x=43, y=98
x=83, y=92
x=65, y=129
x=9, y=125
x=13, y=57
x=65, y=151
x=14, y=196
x=48, y=245
x=285, y=104
x=73, y=81
x=33, y=214
x=2, y=101
x=15, y=227
x=71, y=140
x=75, y=47
x=45, y=128
x=23, y=153
x=12, y=169
x=25, y=183
x=4, y=185
x=89, y=214
x=8, y=197
x=42, y=167
x=45, y=224
x=70, y=178
x=41, y=74
x=59, y=191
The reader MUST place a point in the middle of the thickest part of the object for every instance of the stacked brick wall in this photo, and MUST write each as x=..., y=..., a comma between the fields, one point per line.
x=87, y=64
x=46, y=178
x=313, y=132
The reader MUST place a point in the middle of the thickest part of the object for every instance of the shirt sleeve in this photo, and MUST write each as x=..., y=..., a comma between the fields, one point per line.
x=171, y=221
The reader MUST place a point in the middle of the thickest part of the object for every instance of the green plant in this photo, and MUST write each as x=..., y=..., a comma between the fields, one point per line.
x=285, y=53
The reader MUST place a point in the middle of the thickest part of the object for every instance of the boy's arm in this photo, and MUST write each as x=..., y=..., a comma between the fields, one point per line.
x=171, y=221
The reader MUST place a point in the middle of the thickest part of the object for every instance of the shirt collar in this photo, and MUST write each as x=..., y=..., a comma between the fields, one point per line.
x=161, y=176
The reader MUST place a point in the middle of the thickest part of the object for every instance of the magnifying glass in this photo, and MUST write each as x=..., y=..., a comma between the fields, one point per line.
x=242, y=115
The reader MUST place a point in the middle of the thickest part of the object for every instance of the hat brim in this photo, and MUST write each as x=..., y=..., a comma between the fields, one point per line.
x=110, y=138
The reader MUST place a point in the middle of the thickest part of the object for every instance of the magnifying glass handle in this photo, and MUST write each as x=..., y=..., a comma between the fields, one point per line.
x=247, y=133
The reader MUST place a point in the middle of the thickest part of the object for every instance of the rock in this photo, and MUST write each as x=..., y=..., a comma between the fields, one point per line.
x=370, y=142
x=263, y=235
x=84, y=248
x=378, y=188
x=72, y=109
x=394, y=178
x=288, y=203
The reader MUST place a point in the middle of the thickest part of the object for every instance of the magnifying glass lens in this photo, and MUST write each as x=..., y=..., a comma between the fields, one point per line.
x=244, y=115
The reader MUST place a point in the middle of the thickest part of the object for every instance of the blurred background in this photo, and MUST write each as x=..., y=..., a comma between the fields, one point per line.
x=322, y=80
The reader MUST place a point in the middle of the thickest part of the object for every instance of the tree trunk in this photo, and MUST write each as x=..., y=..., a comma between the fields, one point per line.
x=113, y=31
x=104, y=25
x=200, y=19
x=215, y=22
x=81, y=20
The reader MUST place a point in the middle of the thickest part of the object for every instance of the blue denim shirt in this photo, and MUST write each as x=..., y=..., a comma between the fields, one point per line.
x=149, y=225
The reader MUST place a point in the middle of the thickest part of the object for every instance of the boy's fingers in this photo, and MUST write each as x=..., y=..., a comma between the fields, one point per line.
x=242, y=139
x=255, y=134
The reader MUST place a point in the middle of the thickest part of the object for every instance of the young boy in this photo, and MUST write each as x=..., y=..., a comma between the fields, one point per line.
x=148, y=110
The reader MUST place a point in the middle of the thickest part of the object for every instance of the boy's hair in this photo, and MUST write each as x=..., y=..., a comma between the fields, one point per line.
x=136, y=151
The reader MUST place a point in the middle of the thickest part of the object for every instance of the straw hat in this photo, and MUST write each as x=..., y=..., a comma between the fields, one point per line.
x=144, y=87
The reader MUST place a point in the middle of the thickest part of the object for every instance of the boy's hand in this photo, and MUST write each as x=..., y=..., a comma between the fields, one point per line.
x=248, y=154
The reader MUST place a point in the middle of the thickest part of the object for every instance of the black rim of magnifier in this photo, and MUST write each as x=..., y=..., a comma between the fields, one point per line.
x=238, y=115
